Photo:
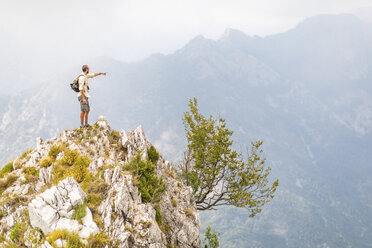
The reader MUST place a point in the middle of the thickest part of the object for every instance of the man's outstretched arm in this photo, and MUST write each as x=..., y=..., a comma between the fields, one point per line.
x=99, y=73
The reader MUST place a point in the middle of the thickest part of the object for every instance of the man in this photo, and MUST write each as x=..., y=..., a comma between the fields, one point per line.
x=83, y=94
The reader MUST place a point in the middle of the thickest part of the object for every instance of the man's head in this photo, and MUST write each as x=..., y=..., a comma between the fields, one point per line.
x=85, y=69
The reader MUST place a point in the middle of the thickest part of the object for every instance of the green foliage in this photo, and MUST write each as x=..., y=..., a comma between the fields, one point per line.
x=17, y=232
x=1, y=214
x=25, y=154
x=72, y=238
x=71, y=165
x=152, y=155
x=174, y=203
x=7, y=168
x=158, y=216
x=211, y=238
x=149, y=185
x=114, y=137
x=54, y=151
x=46, y=162
x=80, y=168
x=7, y=182
x=69, y=157
x=211, y=163
x=189, y=212
x=79, y=212
x=99, y=240
x=31, y=174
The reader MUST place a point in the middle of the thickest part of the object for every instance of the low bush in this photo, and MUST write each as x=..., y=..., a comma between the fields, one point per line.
x=7, y=182
x=99, y=240
x=7, y=168
x=152, y=154
x=79, y=212
x=69, y=157
x=149, y=185
x=17, y=232
x=174, y=203
x=54, y=151
x=189, y=212
x=114, y=137
x=71, y=165
x=25, y=154
x=158, y=216
x=80, y=168
x=46, y=162
x=72, y=238
x=31, y=174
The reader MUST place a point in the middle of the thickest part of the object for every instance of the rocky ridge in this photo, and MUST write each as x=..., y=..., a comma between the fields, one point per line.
x=95, y=187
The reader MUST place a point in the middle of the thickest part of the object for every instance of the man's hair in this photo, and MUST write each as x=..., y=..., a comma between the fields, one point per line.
x=84, y=68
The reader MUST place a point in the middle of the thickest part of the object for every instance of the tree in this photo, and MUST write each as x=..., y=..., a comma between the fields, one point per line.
x=211, y=238
x=216, y=172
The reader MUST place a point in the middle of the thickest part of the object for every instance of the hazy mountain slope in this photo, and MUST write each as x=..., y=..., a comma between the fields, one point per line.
x=317, y=137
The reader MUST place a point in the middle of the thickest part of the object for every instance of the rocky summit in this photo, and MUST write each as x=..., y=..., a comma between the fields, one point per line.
x=96, y=187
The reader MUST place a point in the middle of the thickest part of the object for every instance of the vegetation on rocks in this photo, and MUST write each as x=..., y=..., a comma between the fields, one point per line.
x=149, y=185
x=79, y=212
x=7, y=182
x=72, y=164
x=72, y=238
x=7, y=168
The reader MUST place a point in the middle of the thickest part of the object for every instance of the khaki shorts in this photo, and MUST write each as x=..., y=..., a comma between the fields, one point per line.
x=84, y=107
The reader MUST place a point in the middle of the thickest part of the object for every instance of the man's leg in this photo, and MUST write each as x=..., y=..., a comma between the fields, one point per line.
x=86, y=117
x=82, y=114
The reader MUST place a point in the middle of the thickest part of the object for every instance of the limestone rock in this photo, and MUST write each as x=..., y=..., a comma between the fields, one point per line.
x=135, y=141
x=52, y=210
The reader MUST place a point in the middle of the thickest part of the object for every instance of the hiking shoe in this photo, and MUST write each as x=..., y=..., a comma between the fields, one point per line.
x=81, y=125
x=86, y=125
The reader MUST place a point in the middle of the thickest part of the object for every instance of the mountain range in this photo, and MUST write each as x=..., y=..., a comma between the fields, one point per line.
x=305, y=92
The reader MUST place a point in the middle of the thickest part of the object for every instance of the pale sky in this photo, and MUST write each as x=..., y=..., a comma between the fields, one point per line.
x=49, y=32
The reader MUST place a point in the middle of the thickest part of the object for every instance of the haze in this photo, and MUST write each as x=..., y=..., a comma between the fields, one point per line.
x=42, y=38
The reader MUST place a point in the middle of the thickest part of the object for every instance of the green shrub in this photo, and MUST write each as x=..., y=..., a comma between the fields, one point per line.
x=54, y=151
x=7, y=182
x=158, y=216
x=149, y=185
x=211, y=238
x=99, y=240
x=79, y=212
x=174, y=203
x=69, y=157
x=31, y=174
x=189, y=212
x=7, y=168
x=72, y=238
x=16, y=234
x=72, y=164
x=80, y=168
x=25, y=154
x=46, y=162
x=152, y=155
x=114, y=137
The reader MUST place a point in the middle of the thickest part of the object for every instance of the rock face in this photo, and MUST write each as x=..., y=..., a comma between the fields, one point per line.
x=86, y=169
x=53, y=209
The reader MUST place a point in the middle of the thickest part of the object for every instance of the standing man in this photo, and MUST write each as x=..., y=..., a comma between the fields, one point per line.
x=83, y=94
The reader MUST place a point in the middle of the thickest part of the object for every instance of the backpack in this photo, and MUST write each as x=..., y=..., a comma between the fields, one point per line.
x=75, y=84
